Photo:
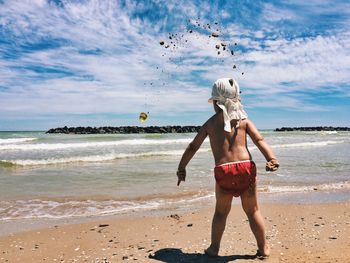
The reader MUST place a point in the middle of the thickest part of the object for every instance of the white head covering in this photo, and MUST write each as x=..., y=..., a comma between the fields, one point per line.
x=226, y=92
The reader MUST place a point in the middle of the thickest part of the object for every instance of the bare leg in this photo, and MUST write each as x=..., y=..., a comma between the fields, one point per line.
x=222, y=209
x=256, y=221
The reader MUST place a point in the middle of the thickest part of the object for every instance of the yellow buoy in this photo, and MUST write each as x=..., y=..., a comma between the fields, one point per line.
x=143, y=116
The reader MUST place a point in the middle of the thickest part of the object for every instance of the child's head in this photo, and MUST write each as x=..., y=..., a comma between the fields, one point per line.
x=225, y=96
x=225, y=88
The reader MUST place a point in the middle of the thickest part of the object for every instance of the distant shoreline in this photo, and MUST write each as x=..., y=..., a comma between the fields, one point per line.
x=168, y=129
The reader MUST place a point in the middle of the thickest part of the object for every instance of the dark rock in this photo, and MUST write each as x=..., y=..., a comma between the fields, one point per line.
x=125, y=129
x=175, y=216
x=317, y=128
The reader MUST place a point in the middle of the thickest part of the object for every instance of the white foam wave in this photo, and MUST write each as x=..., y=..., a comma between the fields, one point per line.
x=60, y=146
x=11, y=144
x=93, y=158
x=36, y=208
x=26, y=209
x=15, y=140
x=329, y=132
x=321, y=187
x=306, y=144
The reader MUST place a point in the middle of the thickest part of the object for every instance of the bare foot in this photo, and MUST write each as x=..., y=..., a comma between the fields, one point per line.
x=264, y=253
x=212, y=252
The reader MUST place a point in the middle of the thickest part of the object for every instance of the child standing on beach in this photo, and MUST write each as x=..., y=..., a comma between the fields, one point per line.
x=235, y=172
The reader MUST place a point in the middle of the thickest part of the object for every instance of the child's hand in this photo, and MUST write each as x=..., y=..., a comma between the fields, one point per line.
x=181, y=175
x=272, y=165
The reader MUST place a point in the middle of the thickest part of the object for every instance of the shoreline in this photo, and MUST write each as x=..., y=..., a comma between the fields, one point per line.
x=296, y=233
x=20, y=225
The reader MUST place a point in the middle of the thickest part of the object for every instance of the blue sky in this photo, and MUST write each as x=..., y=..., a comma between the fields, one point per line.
x=99, y=62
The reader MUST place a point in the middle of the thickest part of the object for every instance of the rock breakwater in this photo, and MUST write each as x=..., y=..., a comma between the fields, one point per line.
x=318, y=128
x=125, y=129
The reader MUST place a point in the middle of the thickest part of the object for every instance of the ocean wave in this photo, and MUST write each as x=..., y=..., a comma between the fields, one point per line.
x=28, y=209
x=329, y=132
x=11, y=144
x=65, y=208
x=92, y=158
x=15, y=140
x=292, y=189
x=37, y=208
x=60, y=146
x=306, y=144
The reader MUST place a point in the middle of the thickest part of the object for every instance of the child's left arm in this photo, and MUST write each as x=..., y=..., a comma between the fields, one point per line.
x=272, y=162
x=191, y=149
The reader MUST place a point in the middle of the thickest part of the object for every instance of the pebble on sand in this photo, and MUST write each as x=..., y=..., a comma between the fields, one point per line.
x=175, y=216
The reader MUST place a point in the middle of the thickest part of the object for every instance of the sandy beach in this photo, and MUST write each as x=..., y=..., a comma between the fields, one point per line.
x=296, y=232
x=81, y=198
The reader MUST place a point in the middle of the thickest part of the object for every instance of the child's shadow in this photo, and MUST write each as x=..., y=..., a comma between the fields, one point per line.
x=175, y=255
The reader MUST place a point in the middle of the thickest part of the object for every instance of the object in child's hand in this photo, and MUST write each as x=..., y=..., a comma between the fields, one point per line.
x=143, y=116
x=272, y=165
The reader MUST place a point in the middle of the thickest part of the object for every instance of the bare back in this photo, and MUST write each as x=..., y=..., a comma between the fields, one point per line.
x=227, y=147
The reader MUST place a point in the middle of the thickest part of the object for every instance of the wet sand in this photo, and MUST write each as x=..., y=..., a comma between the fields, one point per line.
x=297, y=233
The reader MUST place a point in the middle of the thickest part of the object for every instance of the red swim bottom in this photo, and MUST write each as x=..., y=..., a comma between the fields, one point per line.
x=235, y=177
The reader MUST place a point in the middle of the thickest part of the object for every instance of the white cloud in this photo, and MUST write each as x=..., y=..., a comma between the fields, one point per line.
x=128, y=54
x=274, y=14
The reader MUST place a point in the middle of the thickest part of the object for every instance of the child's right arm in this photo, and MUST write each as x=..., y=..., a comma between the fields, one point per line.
x=272, y=163
x=190, y=152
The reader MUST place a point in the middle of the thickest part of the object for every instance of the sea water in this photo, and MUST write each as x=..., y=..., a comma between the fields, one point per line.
x=65, y=176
